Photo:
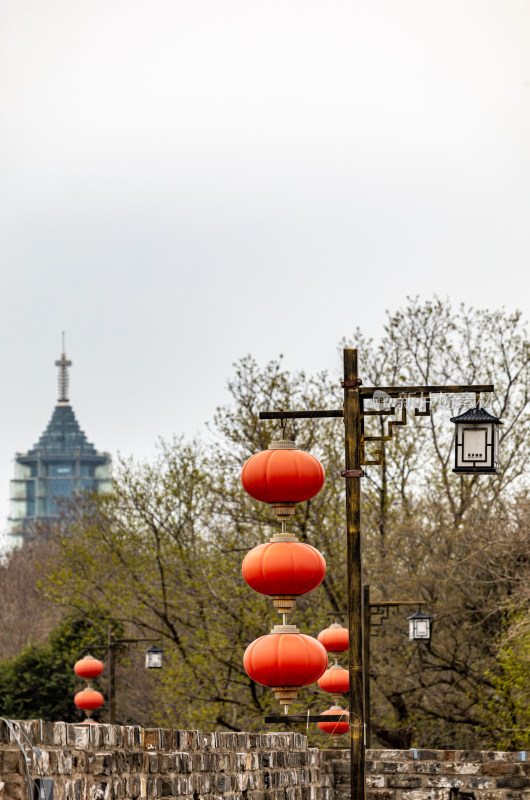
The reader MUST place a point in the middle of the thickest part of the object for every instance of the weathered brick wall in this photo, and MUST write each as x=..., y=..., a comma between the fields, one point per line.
x=434, y=775
x=103, y=762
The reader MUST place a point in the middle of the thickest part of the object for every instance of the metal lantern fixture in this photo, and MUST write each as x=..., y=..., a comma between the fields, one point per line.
x=420, y=626
x=153, y=657
x=477, y=442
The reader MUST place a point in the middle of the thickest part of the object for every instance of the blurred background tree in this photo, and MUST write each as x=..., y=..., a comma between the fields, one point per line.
x=39, y=682
x=162, y=554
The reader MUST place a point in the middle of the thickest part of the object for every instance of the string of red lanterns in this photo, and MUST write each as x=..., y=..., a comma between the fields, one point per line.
x=336, y=679
x=88, y=699
x=284, y=569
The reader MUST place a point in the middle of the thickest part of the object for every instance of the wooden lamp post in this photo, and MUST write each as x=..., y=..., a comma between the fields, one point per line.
x=353, y=413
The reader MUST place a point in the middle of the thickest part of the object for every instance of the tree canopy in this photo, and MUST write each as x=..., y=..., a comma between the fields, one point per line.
x=162, y=553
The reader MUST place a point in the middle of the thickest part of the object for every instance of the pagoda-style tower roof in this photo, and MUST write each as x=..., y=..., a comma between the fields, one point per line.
x=63, y=434
x=62, y=463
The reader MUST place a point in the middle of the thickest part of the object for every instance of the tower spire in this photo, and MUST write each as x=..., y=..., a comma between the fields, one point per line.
x=63, y=365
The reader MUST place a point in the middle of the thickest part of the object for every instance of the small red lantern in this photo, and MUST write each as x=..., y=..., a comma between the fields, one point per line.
x=335, y=680
x=285, y=660
x=335, y=729
x=88, y=667
x=88, y=699
x=283, y=570
x=335, y=638
x=282, y=476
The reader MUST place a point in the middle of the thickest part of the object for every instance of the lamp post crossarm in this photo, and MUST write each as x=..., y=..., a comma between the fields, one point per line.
x=380, y=612
x=367, y=392
x=115, y=642
x=301, y=414
x=396, y=603
x=304, y=718
x=403, y=393
x=140, y=639
x=418, y=391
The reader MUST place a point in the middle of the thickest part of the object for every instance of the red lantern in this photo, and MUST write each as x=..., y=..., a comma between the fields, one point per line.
x=284, y=570
x=88, y=667
x=88, y=699
x=282, y=476
x=335, y=729
x=285, y=660
x=335, y=638
x=335, y=680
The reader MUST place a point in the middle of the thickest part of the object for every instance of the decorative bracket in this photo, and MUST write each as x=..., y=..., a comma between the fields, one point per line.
x=399, y=393
x=378, y=614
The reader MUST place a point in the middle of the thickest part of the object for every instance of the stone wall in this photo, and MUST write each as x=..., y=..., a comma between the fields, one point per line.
x=434, y=775
x=110, y=762
x=104, y=762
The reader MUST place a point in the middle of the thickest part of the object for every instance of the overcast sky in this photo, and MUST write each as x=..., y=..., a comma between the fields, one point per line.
x=182, y=183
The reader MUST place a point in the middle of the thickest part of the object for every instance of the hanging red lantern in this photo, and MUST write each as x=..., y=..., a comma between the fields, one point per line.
x=335, y=729
x=335, y=638
x=335, y=680
x=285, y=660
x=284, y=570
x=88, y=667
x=88, y=699
x=282, y=476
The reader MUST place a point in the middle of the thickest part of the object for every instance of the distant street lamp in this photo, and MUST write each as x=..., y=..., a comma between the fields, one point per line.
x=153, y=660
x=335, y=638
x=153, y=657
x=420, y=626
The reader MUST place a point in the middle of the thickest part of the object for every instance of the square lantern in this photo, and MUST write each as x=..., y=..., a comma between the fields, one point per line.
x=477, y=442
x=153, y=658
x=420, y=626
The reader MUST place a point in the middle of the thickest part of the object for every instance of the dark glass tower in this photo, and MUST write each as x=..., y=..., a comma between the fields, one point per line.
x=61, y=463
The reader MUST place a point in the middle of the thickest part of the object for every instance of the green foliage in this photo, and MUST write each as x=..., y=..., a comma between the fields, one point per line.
x=507, y=710
x=40, y=682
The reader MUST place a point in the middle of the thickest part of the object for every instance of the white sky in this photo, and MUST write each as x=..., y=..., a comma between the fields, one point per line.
x=185, y=182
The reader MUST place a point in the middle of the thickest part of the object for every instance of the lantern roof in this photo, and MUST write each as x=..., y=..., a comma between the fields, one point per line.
x=476, y=416
x=419, y=615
